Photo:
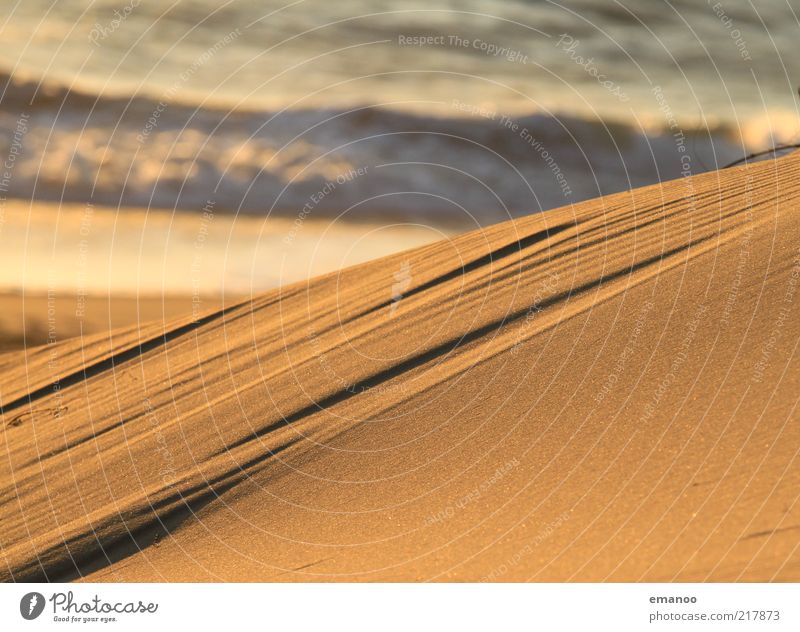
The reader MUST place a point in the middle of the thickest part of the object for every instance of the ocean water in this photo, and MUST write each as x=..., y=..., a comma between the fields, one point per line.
x=438, y=111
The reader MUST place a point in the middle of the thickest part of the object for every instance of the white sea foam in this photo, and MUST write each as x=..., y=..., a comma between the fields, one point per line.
x=488, y=114
x=459, y=163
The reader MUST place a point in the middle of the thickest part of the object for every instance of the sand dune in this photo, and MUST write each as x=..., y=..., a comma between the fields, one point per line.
x=601, y=392
x=32, y=319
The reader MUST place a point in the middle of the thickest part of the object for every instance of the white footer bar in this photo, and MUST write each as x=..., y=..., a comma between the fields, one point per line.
x=401, y=607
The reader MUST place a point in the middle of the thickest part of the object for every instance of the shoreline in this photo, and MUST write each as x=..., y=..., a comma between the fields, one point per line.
x=30, y=320
x=92, y=249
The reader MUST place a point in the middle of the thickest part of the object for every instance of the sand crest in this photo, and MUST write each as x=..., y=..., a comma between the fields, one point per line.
x=600, y=392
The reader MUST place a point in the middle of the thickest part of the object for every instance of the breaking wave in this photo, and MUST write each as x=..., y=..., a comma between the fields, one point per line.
x=459, y=162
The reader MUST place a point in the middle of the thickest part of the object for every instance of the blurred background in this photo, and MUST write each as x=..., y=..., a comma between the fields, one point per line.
x=163, y=158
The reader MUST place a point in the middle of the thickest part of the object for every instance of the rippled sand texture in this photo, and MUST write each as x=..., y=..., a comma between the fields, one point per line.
x=600, y=392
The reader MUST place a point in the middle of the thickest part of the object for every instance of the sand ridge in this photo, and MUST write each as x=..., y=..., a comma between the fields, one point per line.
x=606, y=391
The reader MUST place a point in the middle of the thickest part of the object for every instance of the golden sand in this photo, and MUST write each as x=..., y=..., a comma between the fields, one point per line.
x=600, y=392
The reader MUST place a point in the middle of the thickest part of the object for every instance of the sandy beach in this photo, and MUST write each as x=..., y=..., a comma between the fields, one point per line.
x=70, y=270
x=32, y=320
x=601, y=392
